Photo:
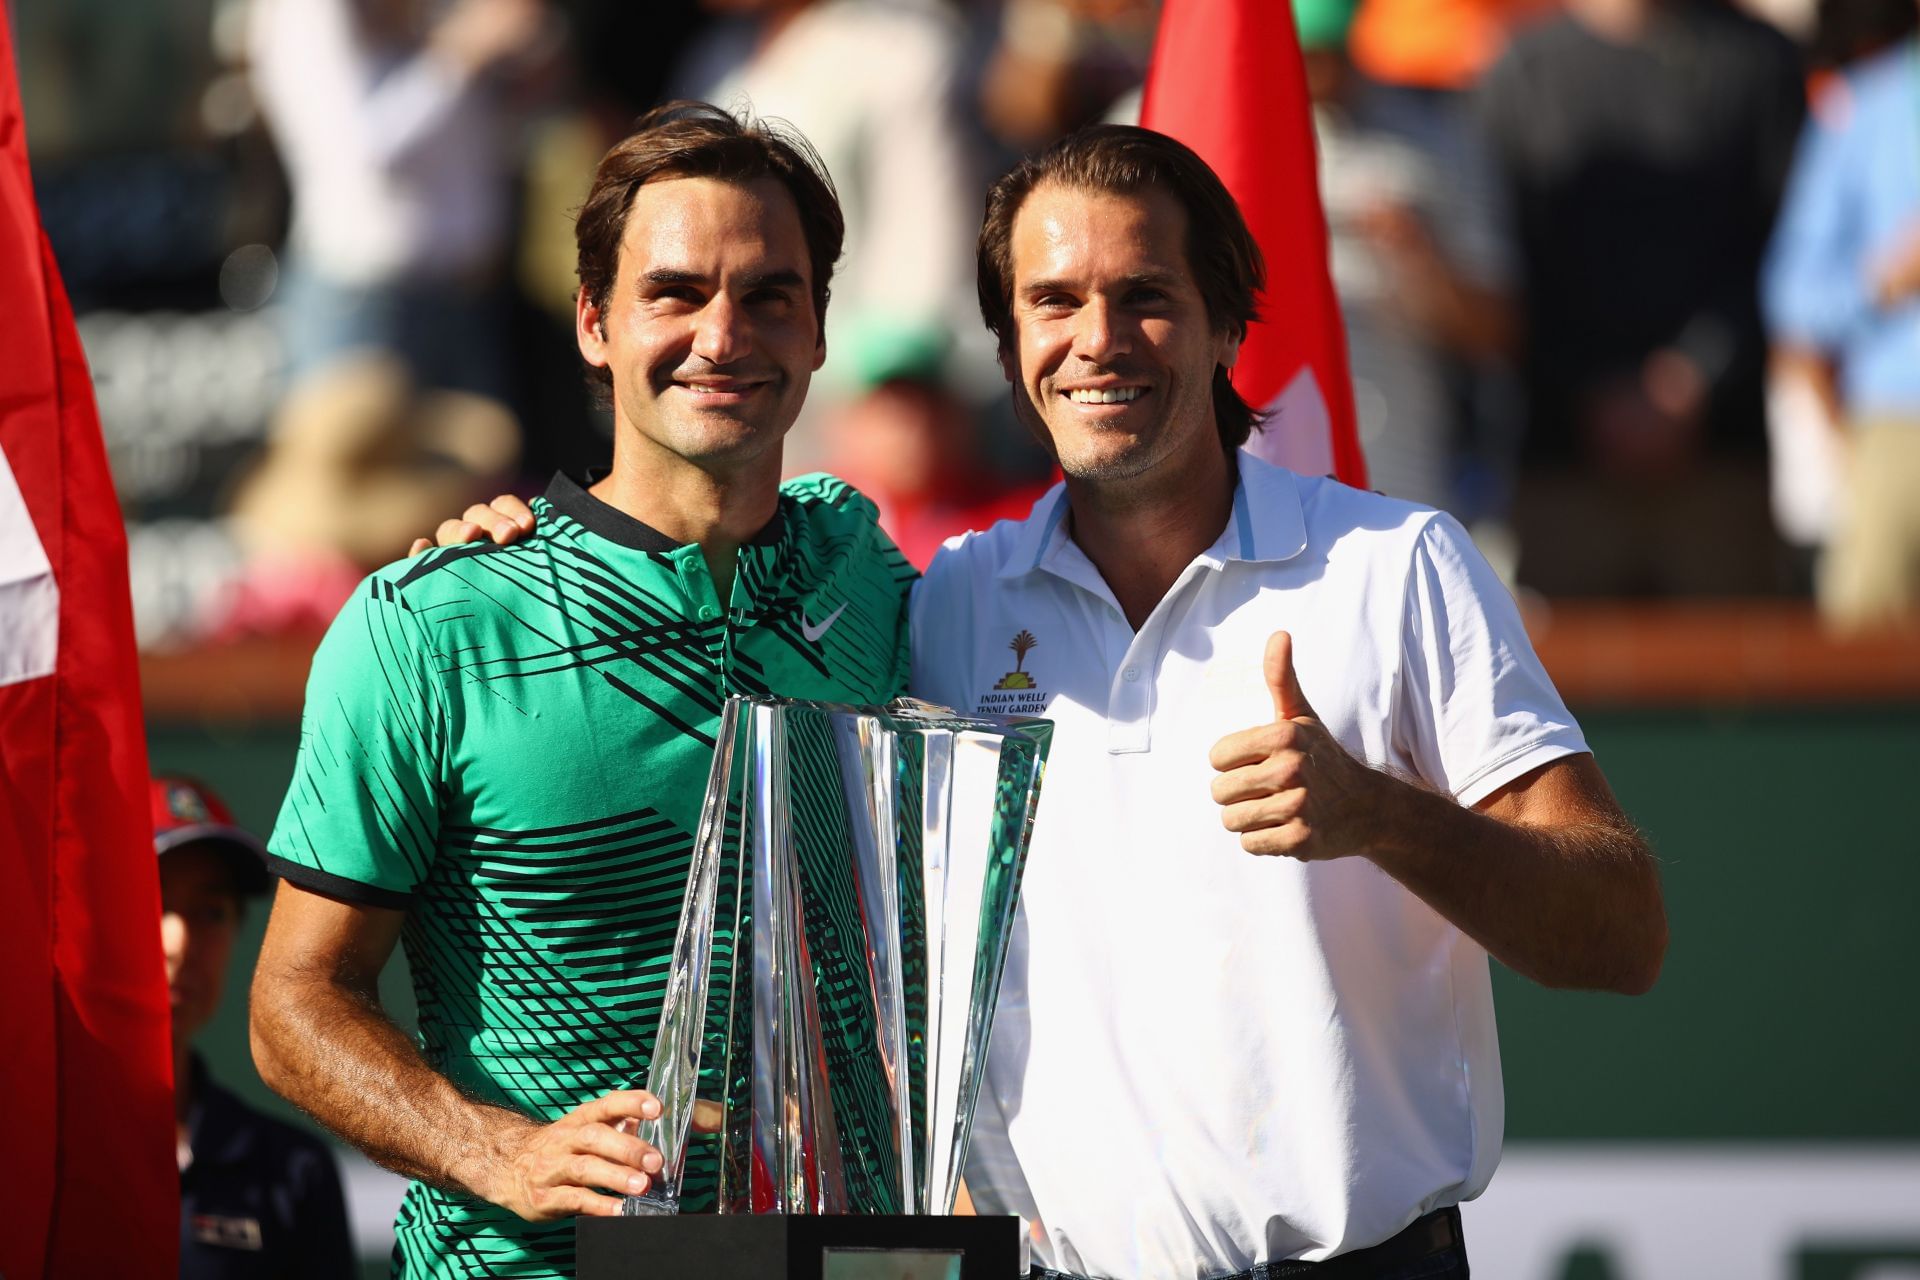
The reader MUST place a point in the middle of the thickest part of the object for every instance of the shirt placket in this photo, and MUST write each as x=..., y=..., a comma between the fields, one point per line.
x=703, y=610
x=1130, y=658
x=1133, y=659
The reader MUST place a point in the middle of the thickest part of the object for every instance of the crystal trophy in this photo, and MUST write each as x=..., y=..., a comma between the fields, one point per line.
x=831, y=988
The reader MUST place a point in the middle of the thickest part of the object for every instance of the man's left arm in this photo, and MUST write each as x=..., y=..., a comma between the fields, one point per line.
x=1495, y=815
x=1546, y=873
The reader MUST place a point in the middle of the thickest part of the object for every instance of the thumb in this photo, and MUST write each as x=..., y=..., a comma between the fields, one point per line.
x=1289, y=699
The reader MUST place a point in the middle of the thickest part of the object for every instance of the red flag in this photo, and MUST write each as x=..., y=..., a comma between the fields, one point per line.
x=1227, y=80
x=87, y=1172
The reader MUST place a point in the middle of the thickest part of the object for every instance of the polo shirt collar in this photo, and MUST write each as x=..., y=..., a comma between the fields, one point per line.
x=1038, y=535
x=1267, y=523
x=571, y=498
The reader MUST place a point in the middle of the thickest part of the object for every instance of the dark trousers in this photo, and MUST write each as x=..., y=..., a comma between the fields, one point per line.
x=1432, y=1248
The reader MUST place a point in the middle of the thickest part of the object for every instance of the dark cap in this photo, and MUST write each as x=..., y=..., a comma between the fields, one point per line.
x=187, y=812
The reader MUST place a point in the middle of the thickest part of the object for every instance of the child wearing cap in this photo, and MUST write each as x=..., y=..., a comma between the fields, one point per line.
x=257, y=1197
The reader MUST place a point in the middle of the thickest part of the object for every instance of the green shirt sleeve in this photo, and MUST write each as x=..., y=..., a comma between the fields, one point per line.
x=361, y=817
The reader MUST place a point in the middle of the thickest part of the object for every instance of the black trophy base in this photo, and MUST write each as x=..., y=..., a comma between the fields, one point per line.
x=701, y=1246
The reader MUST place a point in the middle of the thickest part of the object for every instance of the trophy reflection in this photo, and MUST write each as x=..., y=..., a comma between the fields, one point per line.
x=831, y=988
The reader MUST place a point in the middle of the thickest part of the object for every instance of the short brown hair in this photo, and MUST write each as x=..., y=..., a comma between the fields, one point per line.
x=697, y=140
x=1221, y=252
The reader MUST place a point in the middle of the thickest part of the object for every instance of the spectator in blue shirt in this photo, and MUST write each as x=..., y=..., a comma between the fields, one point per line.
x=1843, y=279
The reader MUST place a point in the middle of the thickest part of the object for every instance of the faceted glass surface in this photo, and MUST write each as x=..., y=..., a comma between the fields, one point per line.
x=846, y=921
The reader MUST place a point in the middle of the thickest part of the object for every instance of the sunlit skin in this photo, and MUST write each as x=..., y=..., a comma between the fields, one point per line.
x=710, y=335
x=1103, y=299
x=199, y=915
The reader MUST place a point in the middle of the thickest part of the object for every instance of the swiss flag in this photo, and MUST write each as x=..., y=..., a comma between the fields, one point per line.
x=87, y=1171
x=1227, y=80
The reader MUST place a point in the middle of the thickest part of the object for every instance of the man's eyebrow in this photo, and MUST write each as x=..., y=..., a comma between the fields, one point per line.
x=1152, y=279
x=785, y=278
x=670, y=276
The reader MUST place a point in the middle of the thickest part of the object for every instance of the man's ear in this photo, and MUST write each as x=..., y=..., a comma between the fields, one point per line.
x=1230, y=350
x=589, y=330
x=1009, y=361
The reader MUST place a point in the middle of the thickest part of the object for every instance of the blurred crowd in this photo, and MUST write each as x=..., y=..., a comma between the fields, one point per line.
x=1630, y=286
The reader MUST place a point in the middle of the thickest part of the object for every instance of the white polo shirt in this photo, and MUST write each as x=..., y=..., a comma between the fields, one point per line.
x=1202, y=1059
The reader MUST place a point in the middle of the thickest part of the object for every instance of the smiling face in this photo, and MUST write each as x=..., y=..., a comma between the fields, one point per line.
x=709, y=330
x=199, y=913
x=1113, y=352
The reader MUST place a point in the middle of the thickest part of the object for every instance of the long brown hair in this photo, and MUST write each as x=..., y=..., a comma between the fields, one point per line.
x=1221, y=252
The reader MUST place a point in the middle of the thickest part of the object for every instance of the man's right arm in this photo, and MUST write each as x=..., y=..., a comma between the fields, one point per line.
x=322, y=1040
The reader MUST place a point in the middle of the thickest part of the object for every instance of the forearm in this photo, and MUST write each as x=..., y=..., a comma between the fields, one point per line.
x=1571, y=904
x=332, y=1051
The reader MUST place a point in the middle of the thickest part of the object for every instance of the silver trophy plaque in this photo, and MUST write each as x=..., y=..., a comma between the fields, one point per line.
x=831, y=988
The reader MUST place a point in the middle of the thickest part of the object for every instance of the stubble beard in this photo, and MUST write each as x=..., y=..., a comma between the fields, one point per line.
x=1091, y=457
x=714, y=438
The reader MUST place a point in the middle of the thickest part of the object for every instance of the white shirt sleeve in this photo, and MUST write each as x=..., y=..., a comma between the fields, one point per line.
x=1475, y=708
x=939, y=620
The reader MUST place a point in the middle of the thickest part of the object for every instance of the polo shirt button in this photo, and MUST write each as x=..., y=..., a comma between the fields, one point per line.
x=1130, y=674
x=708, y=613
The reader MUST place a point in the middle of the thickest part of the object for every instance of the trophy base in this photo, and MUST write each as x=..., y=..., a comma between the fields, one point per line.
x=797, y=1247
x=649, y=1206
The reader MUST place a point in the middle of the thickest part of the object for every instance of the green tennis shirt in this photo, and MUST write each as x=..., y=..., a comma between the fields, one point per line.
x=511, y=744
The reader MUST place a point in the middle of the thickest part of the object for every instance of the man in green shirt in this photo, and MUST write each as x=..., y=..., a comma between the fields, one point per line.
x=505, y=748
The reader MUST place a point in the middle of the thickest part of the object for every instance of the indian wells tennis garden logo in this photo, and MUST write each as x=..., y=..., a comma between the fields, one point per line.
x=1022, y=645
x=1017, y=693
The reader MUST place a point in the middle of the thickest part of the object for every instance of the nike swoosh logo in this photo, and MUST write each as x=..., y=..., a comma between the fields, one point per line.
x=814, y=630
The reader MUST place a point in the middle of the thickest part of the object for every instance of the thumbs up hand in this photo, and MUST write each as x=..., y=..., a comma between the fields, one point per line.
x=1283, y=682
x=1289, y=787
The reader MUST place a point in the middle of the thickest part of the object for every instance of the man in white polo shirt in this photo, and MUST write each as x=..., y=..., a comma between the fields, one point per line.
x=1307, y=774
x=1208, y=1061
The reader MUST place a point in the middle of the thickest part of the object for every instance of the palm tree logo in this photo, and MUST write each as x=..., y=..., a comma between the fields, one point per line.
x=1022, y=645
